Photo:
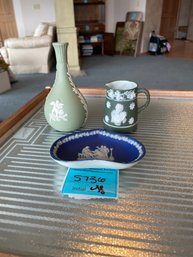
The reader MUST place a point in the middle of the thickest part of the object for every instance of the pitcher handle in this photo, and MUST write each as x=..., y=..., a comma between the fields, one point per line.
x=146, y=92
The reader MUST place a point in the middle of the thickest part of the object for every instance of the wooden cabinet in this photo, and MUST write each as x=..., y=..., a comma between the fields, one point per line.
x=109, y=43
x=90, y=23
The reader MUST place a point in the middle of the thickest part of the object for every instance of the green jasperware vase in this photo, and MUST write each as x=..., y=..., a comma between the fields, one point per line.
x=65, y=108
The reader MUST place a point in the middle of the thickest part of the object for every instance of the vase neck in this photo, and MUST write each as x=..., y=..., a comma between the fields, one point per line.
x=61, y=60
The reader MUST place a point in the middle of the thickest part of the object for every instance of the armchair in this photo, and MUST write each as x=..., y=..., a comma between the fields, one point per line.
x=32, y=54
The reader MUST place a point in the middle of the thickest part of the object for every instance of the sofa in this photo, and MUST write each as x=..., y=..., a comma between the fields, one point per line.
x=31, y=54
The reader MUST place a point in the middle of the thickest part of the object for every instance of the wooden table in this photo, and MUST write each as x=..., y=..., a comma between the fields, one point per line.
x=153, y=215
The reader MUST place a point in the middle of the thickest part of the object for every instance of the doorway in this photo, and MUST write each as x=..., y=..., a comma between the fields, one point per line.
x=184, y=23
x=169, y=17
x=176, y=19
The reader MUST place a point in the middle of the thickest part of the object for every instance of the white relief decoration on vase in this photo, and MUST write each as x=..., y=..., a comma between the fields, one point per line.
x=108, y=104
x=77, y=92
x=101, y=153
x=106, y=118
x=118, y=115
x=57, y=113
x=118, y=96
x=131, y=120
x=132, y=106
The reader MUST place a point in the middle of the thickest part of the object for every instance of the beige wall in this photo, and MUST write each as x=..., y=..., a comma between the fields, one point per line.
x=184, y=13
x=184, y=16
x=28, y=16
x=116, y=11
x=152, y=9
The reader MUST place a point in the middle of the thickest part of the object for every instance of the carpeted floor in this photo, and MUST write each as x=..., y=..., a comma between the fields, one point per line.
x=152, y=72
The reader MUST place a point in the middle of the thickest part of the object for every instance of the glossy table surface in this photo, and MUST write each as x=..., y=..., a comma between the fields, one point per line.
x=153, y=215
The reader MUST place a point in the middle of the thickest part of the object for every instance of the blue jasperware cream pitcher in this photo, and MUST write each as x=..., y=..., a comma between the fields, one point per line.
x=121, y=106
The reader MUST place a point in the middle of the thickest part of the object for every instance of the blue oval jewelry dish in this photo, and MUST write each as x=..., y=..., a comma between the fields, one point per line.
x=97, y=148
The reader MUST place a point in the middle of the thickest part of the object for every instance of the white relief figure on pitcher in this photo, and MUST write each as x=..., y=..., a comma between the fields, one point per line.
x=130, y=95
x=106, y=118
x=131, y=120
x=108, y=105
x=57, y=113
x=118, y=116
x=132, y=106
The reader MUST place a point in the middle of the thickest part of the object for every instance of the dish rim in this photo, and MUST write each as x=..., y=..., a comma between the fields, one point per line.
x=97, y=131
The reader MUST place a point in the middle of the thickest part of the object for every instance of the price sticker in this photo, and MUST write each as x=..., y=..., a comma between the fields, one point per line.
x=100, y=183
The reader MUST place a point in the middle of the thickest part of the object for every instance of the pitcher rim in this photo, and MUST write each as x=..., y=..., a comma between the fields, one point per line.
x=126, y=85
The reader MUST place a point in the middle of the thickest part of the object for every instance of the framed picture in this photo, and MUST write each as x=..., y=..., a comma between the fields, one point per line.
x=128, y=37
x=119, y=36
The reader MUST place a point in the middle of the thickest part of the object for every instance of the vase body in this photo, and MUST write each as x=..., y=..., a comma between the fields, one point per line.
x=65, y=108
